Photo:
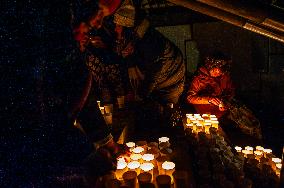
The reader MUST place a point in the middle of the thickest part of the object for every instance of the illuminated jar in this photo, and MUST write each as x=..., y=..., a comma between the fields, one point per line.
x=130, y=145
x=168, y=169
x=207, y=127
x=136, y=157
x=250, y=149
x=134, y=166
x=121, y=168
x=147, y=167
x=257, y=155
x=267, y=153
x=138, y=150
x=148, y=157
x=238, y=149
x=164, y=142
x=215, y=123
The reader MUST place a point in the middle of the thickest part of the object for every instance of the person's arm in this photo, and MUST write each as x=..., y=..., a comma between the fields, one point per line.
x=193, y=96
x=229, y=88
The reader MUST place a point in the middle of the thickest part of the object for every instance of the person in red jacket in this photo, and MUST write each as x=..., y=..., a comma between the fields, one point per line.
x=212, y=86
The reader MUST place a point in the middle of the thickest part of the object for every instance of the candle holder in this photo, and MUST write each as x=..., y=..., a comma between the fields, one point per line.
x=121, y=168
x=130, y=145
x=99, y=103
x=250, y=149
x=138, y=150
x=160, y=160
x=148, y=157
x=267, y=153
x=130, y=178
x=142, y=144
x=238, y=149
x=134, y=166
x=163, y=181
x=147, y=167
x=215, y=124
x=136, y=157
x=114, y=183
x=102, y=109
x=144, y=179
x=169, y=168
x=258, y=155
x=108, y=108
x=164, y=142
x=207, y=127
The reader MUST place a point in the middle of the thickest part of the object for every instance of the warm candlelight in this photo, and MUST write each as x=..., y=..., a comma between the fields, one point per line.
x=130, y=144
x=212, y=116
x=250, y=149
x=147, y=167
x=259, y=148
x=164, y=139
x=238, y=148
x=267, y=153
x=169, y=168
x=135, y=156
x=102, y=109
x=148, y=157
x=196, y=115
x=214, y=119
x=278, y=168
x=207, y=127
x=191, y=125
x=246, y=153
x=138, y=150
x=121, y=168
x=199, y=127
x=99, y=103
x=258, y=155
x=134, y=166
x=276, y=160
x=215, y=123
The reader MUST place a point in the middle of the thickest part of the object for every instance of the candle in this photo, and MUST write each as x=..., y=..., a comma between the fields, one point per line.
x=147, y=167
x=160, y=161
x=169, y=168
x=278, y=168
x=138, y=150
x=99, y=103
x=144, y=179
x=214, y=119
x=196, y=115
x=163, y=181
x=212, y=116
x=102, y=109
x=136, y=157
x=191, y=126
x=215, y=123
x=148, y=157
x=199, y=127
x=250, y=149
x=134, y=166
x=130, y=178
x=207, y=127
x=239, y=149
x=259, y=148
x=245, y=153
x=130, y=145
x=267, y=153
x=274, y=162
x=164, y=142
x=258, y=155
x=121, y=168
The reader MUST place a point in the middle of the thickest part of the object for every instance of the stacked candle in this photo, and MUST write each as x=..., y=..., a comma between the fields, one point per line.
x=146, y=159
x=201, y=123
x=262, y=155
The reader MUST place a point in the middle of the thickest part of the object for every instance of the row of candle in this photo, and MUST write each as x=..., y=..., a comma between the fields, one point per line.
x=143, y=159
x=261, y=154
x=201, y=123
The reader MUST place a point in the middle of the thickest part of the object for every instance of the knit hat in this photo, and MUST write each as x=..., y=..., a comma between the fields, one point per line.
x=125, y=15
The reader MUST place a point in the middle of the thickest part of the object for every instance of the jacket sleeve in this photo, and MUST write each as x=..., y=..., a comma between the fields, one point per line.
x=193, y=96
x=228, y=88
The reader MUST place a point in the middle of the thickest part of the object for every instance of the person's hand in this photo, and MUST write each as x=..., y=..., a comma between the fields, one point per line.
x=135, y=76
x=97, y=42
x=217, y=102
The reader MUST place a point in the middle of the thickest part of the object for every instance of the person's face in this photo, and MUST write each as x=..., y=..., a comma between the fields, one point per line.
x=96, y=21
x=215, y=72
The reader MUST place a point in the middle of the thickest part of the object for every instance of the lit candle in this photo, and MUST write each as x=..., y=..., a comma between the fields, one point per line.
x=267, y=153
x=278, y=168
x=259, y=148
x=148, y=157
x=189, y=115
x=215, y=123
x=121, y=168
x=130, y=145
x=199, y=127
x=164, y=142
x=191, y=126
x=214, y=119
x=239, y=149
x=258, y=155
x=136, y=157
x=102, y=110
x=207, y=127
x=212, y=116
x=205, y=116
x=275, y=161
x=169, y=168
x=99, y=103
x=250, y=149
x=134, y=166
x=147, y=167
x=138, y=150
x=246, y=153
x=196, y=115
